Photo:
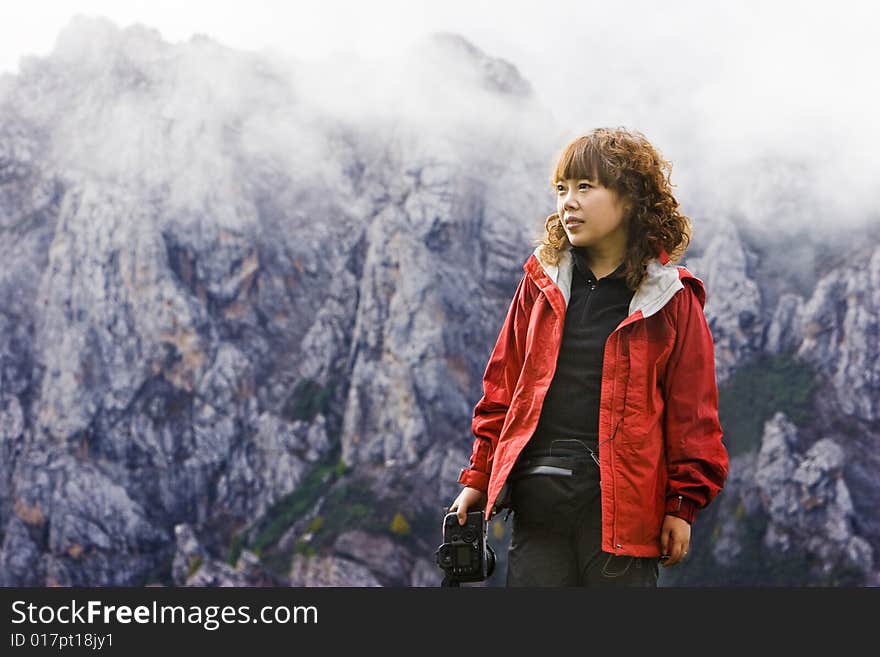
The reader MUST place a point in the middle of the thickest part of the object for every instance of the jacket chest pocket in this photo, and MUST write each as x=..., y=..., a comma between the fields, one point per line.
x=644, y=362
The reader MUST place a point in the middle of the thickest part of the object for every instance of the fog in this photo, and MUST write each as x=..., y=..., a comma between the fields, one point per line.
x=763, y=108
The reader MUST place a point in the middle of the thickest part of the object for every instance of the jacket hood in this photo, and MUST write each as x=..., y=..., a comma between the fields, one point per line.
x=662, y=280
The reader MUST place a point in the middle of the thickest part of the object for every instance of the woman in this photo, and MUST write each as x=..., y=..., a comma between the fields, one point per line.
x=598, y=425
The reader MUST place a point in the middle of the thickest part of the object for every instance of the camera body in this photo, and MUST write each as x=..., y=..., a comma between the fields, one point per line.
x=465, y=556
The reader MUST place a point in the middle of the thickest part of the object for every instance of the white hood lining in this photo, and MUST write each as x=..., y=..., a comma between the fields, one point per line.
x=656, y=289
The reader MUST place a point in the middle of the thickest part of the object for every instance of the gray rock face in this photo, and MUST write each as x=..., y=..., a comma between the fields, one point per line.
x=380, y=554
x=96, y=531
x=191, y=326
x=72, y=525
x=330, y=571
x=840, y=325
x=805, y=501
x=733, y=299
x=194, y=566
x=272, y=464
x=740, y=498
x=785, y=330
x=12, y=428
x=115, y=316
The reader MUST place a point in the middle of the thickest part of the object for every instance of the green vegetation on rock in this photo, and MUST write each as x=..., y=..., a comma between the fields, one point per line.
x=308, y=399
x=758, y=390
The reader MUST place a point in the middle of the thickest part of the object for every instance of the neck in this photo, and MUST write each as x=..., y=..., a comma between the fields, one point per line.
x=601, y=263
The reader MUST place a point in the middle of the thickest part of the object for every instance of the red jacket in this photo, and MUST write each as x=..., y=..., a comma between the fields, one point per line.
x=660, y=447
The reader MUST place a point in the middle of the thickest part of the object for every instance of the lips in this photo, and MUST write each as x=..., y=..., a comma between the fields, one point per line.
x=571, y=222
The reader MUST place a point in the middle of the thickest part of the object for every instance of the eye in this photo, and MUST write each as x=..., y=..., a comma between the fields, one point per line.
x=561, y=188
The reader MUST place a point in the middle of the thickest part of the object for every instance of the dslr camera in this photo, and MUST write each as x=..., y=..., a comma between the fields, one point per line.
x=465, y=556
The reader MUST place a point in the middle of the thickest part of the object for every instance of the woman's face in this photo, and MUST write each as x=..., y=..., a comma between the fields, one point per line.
x=593, y=216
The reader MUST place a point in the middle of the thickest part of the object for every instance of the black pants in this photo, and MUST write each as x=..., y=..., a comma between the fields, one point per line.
x=557, y=534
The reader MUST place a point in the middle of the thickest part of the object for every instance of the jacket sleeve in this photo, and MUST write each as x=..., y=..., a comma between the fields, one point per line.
x=499, y=381
x=696, y=459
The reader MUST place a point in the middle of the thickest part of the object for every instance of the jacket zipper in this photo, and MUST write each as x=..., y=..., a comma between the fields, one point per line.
x=614, y=544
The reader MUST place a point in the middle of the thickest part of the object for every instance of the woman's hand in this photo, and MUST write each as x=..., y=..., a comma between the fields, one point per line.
x=675, y=537
x=469, y=499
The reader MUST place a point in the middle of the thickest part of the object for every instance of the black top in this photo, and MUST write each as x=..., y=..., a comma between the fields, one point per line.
x=571, y=407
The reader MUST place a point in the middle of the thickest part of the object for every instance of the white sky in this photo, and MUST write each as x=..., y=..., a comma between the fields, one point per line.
x=799, y=35
x=807, y=57
x=734, y=80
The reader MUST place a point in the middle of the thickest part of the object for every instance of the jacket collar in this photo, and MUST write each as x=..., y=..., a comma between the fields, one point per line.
x=662, y=280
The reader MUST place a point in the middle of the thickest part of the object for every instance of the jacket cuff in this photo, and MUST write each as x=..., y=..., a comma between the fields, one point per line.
x=681, y=507
x=474, y=479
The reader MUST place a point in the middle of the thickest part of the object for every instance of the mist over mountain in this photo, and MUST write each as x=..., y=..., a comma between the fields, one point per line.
x=246, y=304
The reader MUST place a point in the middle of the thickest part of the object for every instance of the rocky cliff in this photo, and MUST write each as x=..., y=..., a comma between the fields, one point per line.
x=245, y=308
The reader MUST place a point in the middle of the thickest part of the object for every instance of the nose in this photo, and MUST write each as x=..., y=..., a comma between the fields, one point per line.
x=568, y=201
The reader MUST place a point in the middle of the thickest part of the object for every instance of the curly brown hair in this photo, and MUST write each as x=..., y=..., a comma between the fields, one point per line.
x=624, y=161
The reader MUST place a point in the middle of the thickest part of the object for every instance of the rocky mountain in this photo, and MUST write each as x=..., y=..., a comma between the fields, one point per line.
x=245, y=307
